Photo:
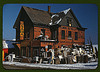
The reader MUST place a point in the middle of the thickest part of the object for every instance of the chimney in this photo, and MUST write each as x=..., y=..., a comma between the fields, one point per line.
x=49, y=9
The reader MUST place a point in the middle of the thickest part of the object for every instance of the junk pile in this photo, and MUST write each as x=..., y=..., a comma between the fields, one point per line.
x=65, y=55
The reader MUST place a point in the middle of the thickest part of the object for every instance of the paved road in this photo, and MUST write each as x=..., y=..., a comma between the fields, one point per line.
x=21, y=67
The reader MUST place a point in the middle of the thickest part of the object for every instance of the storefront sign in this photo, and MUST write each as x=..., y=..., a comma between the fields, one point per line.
x=21, y=30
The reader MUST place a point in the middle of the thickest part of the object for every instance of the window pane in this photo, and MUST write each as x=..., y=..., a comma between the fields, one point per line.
x=28, y=34
x=67, y=21
x=76, y=36
x=54, y=34
x=29, y=51
x=63, y=34
x=69, y=33
x=43, y=32
x=23, y=51
x=24, y=35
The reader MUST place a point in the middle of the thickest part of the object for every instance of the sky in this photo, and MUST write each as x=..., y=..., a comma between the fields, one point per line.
x=87, y=15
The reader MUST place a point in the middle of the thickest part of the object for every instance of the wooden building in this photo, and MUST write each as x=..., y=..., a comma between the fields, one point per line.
x=36, y=29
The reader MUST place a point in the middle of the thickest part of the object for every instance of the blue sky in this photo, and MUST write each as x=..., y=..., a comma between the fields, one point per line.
x=87, y=15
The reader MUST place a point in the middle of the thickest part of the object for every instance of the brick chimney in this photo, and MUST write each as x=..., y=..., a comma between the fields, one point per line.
x=49, y=9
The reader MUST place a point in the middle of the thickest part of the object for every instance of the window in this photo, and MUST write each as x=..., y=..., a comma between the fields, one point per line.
x=29, y=52
x=69, y=33
x=36, y=52
x=43, y=32
x=69, y=21
x=76, y=35
x=63, y=34
x=54, y=34
x=24, y=35
x=18, y=36
x=23, y=51
x=28, y=35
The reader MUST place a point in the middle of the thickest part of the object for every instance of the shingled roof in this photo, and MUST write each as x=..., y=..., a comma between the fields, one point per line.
x=44, y=17
x=38, y=16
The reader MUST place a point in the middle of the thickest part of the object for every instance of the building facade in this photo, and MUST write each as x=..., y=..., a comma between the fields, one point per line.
x=37, y=29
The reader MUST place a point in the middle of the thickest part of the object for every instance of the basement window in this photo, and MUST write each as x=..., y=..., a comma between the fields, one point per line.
x=63, y=34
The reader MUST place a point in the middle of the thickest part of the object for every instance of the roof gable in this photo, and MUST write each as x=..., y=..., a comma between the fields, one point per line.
x=56, y=18
x=61, y=18
x=35, y=15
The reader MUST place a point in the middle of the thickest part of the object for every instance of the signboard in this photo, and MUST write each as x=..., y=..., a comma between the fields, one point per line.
x=21, y=30
x=2, y=55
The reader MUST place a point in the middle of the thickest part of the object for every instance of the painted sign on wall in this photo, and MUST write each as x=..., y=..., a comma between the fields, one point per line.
x=2, y=55
x=21, y=30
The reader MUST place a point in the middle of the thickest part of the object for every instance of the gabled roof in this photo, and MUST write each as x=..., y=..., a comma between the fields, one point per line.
x=43, y=17
x=37, y=16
